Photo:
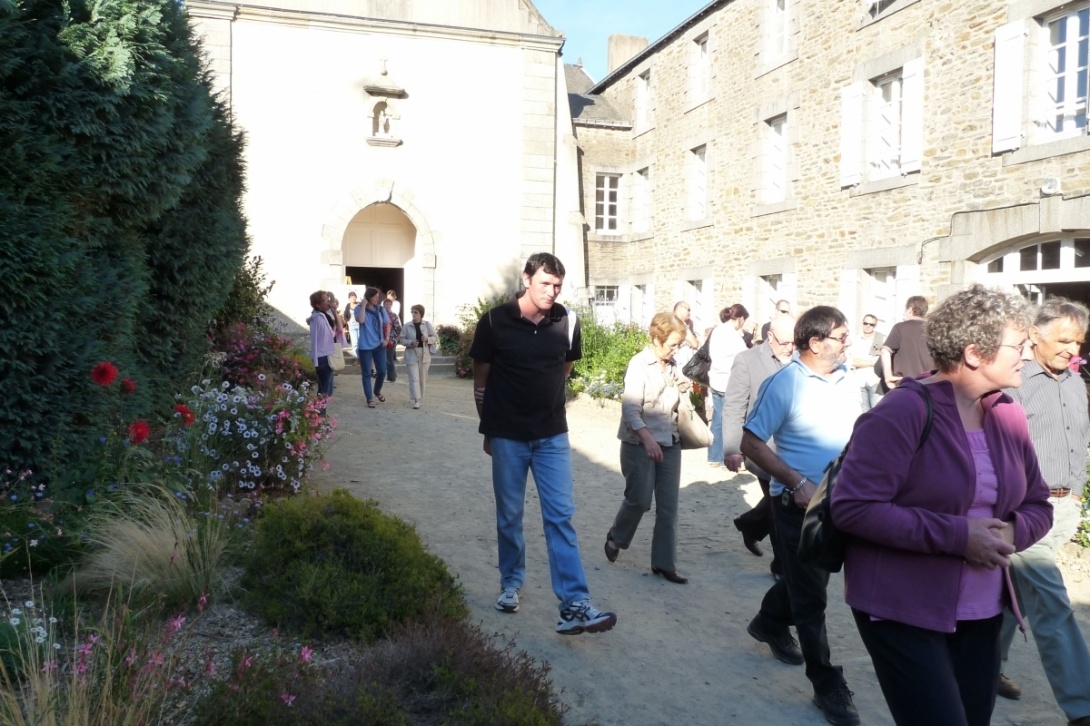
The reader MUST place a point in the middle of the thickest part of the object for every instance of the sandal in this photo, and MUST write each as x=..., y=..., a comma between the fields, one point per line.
x=381, y=398
x=370, y=403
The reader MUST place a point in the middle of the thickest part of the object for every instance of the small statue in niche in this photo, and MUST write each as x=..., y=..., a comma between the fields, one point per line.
x=382, y=122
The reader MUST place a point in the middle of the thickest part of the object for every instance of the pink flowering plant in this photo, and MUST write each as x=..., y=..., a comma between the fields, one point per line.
x=263, y=439
x=256, y=358
x=261, y=687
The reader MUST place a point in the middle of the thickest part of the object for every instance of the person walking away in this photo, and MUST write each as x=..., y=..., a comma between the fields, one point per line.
x=651, y=447
x=726, y=343
x=374, y=331
x=809, y=407
x=522, y=354
x=323, y=337
x=391, y=342
x=416, y=337
x=935, y=505
x=1054, y=397
x=904, y=353
x=749, y=371
x=866, y=350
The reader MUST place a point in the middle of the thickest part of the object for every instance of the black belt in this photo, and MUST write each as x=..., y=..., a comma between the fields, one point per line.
x=1059, y=491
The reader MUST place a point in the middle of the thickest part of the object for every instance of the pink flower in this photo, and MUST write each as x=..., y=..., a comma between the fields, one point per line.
x=1076, y=362
x=175, y=624
x=287, y=698
x=305, y=654
x=202, y=602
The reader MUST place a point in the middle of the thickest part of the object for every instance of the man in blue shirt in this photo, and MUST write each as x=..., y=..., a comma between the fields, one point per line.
x=808, y=408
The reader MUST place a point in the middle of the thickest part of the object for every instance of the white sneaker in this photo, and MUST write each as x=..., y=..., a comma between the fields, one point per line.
x=416, y=405
x=582, y=616
x=508, y=601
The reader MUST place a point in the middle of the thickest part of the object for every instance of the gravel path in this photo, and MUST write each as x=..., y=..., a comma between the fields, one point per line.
x=679, y=654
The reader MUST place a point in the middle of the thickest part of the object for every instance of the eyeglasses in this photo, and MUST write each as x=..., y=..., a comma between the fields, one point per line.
x=781, y=310
x=775, y=340
x=1019, y=347
x=842, y=339
x=868, y=323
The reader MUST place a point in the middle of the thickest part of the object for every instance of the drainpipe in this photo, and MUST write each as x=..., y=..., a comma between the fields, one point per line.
x=556, y=143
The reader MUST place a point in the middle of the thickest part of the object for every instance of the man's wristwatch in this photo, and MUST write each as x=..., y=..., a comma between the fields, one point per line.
x=793, y=490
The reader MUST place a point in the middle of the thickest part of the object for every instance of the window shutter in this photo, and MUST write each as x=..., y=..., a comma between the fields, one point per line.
x=911, y=116
x=1010, y=42
x=851, y=134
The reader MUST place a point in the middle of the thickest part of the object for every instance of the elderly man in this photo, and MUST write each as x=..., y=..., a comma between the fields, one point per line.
x=1054, y=398
x=522, y=352
x=750, y=369
x=809, y=408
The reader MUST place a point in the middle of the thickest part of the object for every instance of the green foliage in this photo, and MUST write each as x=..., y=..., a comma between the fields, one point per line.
x=440, y=671
x=449, y=336
x=246, y=303
x=468, y=315
x=120, y=189
x=606, y=353
x=262, y=688
x=334, y=565
x=256, y=358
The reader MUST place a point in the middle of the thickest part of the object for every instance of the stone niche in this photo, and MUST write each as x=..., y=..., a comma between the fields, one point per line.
x=384, y=93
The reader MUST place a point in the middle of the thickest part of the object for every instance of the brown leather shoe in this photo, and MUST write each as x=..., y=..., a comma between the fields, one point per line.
x=1008, y=688
x=671, y=575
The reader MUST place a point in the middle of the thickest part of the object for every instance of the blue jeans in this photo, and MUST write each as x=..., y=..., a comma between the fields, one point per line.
x=367, y=357
x=715, y=452
x=550, y=461
x=325, y=376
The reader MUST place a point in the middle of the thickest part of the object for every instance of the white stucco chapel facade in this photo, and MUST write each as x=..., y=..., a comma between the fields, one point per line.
x=419, y=145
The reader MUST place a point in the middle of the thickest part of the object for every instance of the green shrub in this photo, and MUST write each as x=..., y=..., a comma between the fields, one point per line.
x=120, y=195
x=606, y=353
x=441, y=671
x=332, y=565
x=468, y=315
x=449, y=336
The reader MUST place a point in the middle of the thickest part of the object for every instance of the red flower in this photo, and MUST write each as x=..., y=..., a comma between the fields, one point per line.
x=186, y=414
x=104, y=373
x=139, y=431
x=128, y=386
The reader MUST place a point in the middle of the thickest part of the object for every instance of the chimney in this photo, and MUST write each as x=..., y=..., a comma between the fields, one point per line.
x=622, y=48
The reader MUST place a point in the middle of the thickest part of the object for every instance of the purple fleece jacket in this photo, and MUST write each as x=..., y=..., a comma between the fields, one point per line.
x=907, y=509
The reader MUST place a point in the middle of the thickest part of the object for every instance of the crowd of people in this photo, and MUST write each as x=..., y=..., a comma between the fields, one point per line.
x=373, y=328
x=964, y=434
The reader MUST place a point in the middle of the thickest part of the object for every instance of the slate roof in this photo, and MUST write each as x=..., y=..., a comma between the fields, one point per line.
x=587, y=109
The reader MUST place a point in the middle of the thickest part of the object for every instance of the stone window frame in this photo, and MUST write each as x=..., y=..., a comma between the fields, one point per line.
x=604, y=217
x=858, y=109
x=772, y=24
x=643, y=100
x=873, y=11
x=700, y=86
x=1019, y=93
x=788, y=108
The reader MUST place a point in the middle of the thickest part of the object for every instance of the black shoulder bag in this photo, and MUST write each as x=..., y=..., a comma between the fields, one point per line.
x=821, y=544
x=697, y=367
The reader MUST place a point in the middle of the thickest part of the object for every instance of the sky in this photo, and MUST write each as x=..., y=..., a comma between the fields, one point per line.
x=587, y=24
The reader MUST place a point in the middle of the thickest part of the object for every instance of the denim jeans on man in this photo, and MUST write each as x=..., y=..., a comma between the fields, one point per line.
x=715, y=451
x=550, y=461
x=377, y=356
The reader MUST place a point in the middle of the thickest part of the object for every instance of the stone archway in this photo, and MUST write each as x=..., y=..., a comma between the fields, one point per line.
x=382, y=192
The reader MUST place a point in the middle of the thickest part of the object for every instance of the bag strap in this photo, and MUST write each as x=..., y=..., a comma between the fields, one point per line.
x=923, y=391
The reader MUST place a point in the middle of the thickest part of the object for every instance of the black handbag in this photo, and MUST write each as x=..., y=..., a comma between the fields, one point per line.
x=697, y=367
x=821, y=544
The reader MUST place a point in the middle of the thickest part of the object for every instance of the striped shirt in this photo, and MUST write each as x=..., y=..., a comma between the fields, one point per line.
x=1059, y=426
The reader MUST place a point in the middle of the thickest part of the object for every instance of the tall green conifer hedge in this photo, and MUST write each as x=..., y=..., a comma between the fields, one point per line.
x=120, y=228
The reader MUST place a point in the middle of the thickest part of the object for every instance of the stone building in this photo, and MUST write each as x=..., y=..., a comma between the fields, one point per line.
x=852, y=153
x=419, y=145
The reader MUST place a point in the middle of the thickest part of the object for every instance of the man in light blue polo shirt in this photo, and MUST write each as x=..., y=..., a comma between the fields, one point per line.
x=808, y=409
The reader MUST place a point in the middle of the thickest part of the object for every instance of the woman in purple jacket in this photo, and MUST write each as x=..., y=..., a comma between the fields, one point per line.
x=934, y=521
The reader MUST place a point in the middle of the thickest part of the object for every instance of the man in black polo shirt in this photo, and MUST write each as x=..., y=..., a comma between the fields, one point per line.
x=522, y=353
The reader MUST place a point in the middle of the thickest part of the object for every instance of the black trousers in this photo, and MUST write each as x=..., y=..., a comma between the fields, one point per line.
x=391, y=360
x=932, y=678
x=756, y=523
x=799, y=598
